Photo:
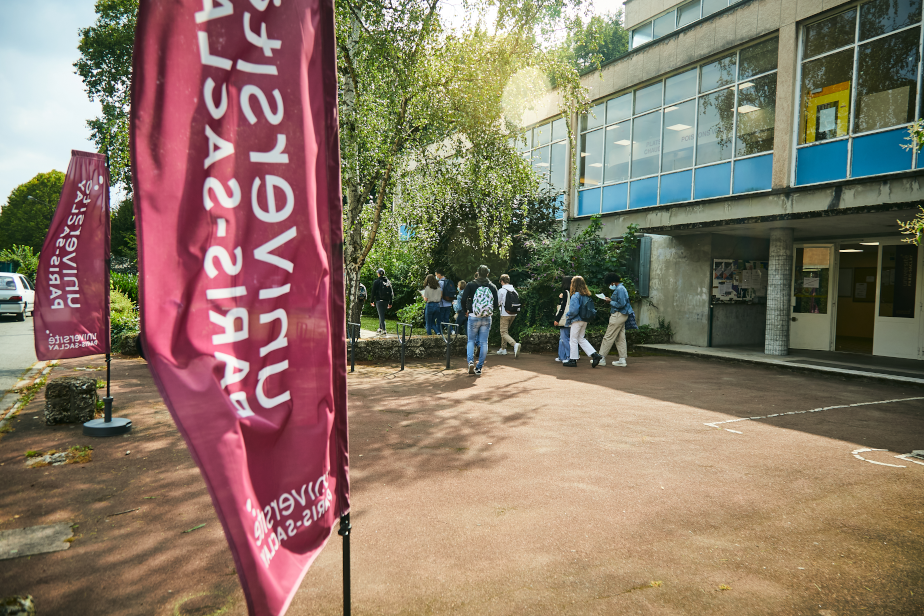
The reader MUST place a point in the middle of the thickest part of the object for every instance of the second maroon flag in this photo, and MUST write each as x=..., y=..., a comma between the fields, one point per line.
x=235, y=160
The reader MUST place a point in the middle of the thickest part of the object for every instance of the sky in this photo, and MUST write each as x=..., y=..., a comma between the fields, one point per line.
x=43, y=106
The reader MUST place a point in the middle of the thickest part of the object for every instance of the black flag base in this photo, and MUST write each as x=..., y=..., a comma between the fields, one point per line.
x=108, y=425
x=344, y=532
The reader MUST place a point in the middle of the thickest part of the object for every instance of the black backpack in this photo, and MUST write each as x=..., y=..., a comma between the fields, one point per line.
x=449, y=290
x=512, y=302
x=587, y=311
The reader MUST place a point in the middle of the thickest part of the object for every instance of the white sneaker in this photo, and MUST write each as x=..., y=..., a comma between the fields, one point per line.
x=621, y=362
x=602, y=362
x=516, y=350
x=501, y=351
x=471, y=367
x=558, y=360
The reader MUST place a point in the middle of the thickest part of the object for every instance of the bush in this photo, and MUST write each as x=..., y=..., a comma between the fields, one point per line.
x=127, y=284
x=413, y=313
x=125, y=323
x=28, y=262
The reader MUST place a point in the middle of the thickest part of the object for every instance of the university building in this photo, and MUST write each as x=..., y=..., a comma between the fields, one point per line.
x=758, y=146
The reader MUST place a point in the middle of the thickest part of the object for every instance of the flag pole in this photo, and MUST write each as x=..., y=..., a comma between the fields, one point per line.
x=344, y=532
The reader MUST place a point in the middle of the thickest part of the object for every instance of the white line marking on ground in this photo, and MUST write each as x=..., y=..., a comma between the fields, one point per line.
x=906, y=458
x=735, y=431
x=716, y=424
x=857, y=452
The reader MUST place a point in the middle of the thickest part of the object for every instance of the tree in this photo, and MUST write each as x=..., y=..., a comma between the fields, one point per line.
x=28, y=262
x=29, y=209
x=601, y=39
x=105, y=65
x=124, y=242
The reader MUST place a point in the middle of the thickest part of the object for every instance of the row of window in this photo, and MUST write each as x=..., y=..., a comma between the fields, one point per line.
x=676, y=18
x=545, y=147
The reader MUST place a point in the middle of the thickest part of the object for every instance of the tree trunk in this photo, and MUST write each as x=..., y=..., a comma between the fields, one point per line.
x=353, y=251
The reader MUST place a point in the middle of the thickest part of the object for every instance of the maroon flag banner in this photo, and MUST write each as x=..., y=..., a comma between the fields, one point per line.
x=72, y=282
x=235, y=161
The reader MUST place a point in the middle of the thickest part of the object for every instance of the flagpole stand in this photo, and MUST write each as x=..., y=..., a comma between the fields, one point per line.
x=108, y=425
x=344, y=532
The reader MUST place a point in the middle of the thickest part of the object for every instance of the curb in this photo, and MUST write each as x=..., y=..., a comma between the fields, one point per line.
x=9, y=404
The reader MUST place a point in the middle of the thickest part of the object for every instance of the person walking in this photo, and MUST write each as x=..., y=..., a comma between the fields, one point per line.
x=382, y=295
x=509, y=301
x=580, y=311
x=480, y=301
x=432, y=294
x=459, y=307
x=564, y=332
x=449, y=295
x=620, y=309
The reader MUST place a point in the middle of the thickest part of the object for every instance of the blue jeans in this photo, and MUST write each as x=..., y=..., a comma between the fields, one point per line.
x=564, y=343
x=432, y=316
x=478, y=327
x=446, y=314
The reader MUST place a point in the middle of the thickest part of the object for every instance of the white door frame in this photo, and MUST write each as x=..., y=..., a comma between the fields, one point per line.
x=830, y=317
x=889, y=332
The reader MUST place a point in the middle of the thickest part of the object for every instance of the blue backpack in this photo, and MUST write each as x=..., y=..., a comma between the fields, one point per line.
x=587, y=311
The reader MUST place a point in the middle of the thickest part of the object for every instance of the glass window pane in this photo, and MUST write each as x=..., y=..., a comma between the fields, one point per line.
x=559, y=207
x=881, y=16
x=618, y=146
x=711, y=6
x=525, y=141
x=648, y=98
x=898, y=281
x=618, y=108
x=541, y=166
x=887, y=76
x=880, y=153
x=687, y=14
x=714, y=128
x=821, y=163
x=542, y=135
x=664, y=25
x=826, y=97
x=810, y=283
x=759, y=58
x=830, y=34
x=714, y=181
x=593, y=118
x=559, y=166
x=753, y=174
x=559, y=129
x=680, y=87
x=588, y=202
x=646, y=144
x=592, y=158
x=643, y=193
x=676, y=187
x=678, y=136
x=717, y=74
x=615, y=197
x=756, y=111
x=641, y=35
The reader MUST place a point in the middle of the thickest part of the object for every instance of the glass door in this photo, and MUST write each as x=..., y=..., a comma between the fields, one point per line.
x=898, y=301
x=811, y=297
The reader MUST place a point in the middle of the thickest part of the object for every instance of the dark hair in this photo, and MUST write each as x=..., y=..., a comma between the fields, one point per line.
x=566, y=283
x=380, y=272
x=505, y=279
x=461, y=283
x=483, y=271
x=612, y=277
x=439, y=271
x=431, y=282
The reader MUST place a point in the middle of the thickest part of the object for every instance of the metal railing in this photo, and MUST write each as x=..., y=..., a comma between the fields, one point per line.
x=353, y=334
x=449, y=332
x=404, y=337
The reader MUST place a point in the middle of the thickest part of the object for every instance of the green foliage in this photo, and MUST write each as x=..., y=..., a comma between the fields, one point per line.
x=126, y=284
x=29, y=209
x=913, y=228
x=590, y=44
x=124, y=242
x=105, y=65
x=123, y=315
x=413, y=313
x=28, y=262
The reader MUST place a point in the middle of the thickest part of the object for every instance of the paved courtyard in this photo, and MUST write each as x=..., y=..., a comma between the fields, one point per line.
x=534, y=489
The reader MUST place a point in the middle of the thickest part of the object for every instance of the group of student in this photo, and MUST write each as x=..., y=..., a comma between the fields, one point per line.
x=474, y=304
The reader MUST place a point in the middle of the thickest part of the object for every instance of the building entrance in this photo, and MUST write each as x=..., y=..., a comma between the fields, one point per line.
x=857, y=278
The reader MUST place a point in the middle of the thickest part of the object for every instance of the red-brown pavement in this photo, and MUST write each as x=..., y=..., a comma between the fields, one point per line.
x=533, y=489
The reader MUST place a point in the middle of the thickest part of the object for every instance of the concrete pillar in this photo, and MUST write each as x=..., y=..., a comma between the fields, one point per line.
x=779, y=287
x=786, y=112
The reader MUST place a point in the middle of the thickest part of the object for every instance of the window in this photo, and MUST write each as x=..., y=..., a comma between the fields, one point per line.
x=858, y=91
x=898, y=281
x=545, y=147
x=683, y=16
x=703, y=133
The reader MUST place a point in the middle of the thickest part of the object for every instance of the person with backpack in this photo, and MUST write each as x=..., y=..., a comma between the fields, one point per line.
x=564, y=339
x=459, y=307
x=580, y=312
x=620, y=313
x=382, y=295
x=480, y=301
x=509, y=302
x=449, y=295
x=432, y=295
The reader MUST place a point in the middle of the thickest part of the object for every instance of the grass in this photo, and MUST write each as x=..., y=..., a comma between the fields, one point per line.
x=79, y=454
x=372, y=324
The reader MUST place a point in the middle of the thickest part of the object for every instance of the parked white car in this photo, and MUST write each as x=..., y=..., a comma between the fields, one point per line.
x=16, y=296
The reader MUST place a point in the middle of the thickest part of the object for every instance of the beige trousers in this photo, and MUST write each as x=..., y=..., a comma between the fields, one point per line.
x=504, y=329
x=615, y=332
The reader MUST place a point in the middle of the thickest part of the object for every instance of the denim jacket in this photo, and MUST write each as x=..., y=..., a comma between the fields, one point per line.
x=619, y=302
x=574, y=308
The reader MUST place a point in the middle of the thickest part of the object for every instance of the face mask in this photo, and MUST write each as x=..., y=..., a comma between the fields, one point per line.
x=612, y=286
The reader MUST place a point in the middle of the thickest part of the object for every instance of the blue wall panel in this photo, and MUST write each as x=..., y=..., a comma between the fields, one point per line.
x=880, y=153
x=588, y=202
x=714, y=181
x=676, y=187
x=753, y=174
x=822, y=163
x=615, y=197
x=643, y=193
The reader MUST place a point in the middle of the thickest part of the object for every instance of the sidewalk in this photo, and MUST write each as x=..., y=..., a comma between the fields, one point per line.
x=533, y=489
